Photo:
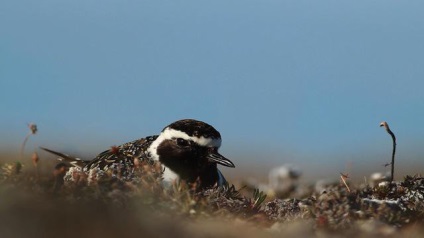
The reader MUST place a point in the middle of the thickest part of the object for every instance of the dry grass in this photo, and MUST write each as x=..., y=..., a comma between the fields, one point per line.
x=40, y=206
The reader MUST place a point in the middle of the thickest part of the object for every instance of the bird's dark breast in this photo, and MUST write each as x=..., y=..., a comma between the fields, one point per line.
x=190, y=163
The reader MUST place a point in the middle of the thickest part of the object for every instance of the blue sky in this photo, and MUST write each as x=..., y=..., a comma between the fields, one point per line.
x=301, y=82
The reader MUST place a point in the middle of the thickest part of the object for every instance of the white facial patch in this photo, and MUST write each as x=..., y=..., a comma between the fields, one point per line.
x=202, y=141
x=169, y=134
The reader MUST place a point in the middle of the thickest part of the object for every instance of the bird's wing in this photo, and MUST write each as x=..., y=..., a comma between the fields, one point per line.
x=67, y=158
x=124, y=154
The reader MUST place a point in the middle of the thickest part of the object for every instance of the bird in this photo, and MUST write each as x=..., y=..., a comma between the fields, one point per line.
x=187, y=150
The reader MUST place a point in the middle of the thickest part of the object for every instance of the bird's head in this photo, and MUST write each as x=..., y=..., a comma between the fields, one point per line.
x=188, y=147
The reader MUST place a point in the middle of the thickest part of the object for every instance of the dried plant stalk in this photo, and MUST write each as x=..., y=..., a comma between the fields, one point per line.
x=386, y=126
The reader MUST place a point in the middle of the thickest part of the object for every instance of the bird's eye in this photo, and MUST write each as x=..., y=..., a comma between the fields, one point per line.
x=182, y=143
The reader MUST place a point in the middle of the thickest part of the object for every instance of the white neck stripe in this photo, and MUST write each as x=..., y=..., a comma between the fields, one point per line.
x=169, y=134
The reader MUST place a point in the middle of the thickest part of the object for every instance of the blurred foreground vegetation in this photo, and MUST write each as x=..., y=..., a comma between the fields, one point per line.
x=37, y=202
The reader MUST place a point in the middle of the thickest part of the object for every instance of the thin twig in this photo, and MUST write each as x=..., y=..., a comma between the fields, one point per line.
x=343, y=177
x=35, y=160
x=386, y=126
x=23, y=144
x=33, y=130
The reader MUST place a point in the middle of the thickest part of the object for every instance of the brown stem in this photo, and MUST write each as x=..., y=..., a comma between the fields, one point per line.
x=386, y=126
x=23, y=145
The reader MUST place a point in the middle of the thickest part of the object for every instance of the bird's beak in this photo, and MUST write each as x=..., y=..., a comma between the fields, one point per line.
x=215, y=157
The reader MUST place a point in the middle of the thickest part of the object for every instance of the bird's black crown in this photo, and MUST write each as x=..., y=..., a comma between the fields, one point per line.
x=195, y=128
